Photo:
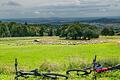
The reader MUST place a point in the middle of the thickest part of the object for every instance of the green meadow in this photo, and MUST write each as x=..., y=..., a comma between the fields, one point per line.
x=56, y=57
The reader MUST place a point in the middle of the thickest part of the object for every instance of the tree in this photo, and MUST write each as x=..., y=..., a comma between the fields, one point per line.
x=57, y=32
x=41, y=31
x=111, y=31
x=78, y=31
x=73, y=31
x=50, y=31
x=108, y=31
x=63, y=30
x=25, y=23
x=88, y=34
x=105, y=31
x=69, y=31
x=2, y=31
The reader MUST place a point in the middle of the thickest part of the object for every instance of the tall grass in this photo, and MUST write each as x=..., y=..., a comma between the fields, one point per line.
x=56, y=58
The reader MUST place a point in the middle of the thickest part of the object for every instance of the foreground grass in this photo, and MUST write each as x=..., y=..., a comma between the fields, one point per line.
x=57, y=58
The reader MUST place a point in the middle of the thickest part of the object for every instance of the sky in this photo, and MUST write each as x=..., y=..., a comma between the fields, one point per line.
x=58, y=8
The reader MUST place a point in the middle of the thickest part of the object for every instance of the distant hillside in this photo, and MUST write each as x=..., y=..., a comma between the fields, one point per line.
x=64, y=20
x=105, y=20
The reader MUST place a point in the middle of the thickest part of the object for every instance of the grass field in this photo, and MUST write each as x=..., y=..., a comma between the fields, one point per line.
x=57, y=57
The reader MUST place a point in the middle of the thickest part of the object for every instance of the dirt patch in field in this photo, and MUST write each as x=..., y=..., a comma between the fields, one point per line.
x=70, y=42
x=118, y=42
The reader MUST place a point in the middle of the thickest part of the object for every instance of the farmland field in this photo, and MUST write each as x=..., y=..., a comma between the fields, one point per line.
x=57, y=55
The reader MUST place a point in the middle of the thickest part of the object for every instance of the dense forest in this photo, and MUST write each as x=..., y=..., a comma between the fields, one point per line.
x=74, y=30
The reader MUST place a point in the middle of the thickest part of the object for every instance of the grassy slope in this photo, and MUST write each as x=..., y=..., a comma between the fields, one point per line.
x=32, y=56
x=39, y=53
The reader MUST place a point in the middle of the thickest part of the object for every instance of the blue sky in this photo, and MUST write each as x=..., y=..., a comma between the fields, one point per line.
x=58, y=8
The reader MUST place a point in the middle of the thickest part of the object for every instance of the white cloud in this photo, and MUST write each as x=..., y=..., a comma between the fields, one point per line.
x=51, y=13
x=37, y=12
x=43, y=8
x=103, y=10
x=78, y=2
x=11, y=3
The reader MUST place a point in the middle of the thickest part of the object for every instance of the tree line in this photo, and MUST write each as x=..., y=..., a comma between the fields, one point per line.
x=74, y=30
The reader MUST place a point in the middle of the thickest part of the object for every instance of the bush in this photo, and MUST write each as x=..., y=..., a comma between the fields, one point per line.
x=79, y=31
x=108, y=31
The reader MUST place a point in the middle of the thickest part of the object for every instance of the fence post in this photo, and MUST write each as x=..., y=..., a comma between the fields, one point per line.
x=16, y=69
